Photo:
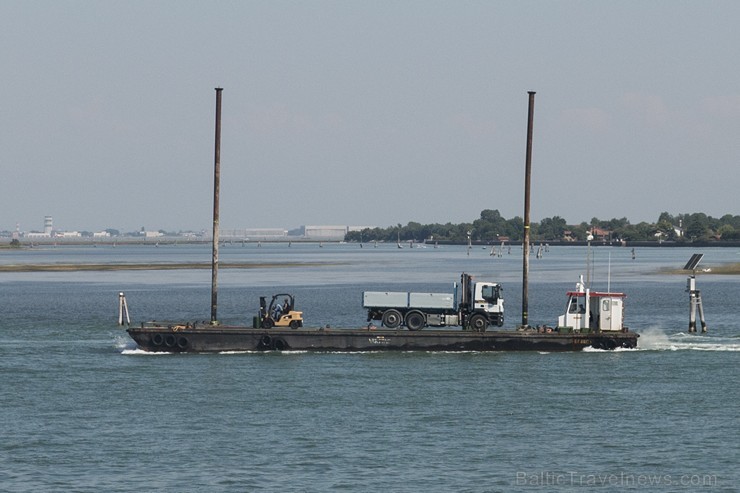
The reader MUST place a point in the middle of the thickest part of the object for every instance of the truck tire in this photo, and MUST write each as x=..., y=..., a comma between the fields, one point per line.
x=392, y=319
x=415, y=320
x=478, y=323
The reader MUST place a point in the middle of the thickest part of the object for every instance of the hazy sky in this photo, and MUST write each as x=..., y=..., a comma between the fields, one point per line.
x=365, y=112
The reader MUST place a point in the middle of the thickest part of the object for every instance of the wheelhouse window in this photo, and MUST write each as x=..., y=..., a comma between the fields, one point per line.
x=573, y=305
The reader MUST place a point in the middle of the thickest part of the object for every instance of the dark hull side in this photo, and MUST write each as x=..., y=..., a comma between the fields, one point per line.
x=201, y=339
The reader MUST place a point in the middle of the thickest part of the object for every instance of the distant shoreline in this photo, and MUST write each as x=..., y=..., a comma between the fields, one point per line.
x=727, y=269
x=111, y=242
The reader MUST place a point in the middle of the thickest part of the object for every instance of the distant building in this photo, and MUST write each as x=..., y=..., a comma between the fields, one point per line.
x=326, y=232
x=601, y=234
x=48, y=230
x=266, y=232
x=262, y=233
x=101, y=234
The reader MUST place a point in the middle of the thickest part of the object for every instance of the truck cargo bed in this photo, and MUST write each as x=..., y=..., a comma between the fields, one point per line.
x=391, y=299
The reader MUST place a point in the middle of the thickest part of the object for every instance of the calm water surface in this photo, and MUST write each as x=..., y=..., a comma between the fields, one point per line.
x=83, y=410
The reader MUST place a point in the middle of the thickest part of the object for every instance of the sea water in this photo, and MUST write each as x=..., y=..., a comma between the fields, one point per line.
x=83, y=409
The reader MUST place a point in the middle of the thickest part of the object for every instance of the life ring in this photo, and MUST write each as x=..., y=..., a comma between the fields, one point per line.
x=157, y=339
x=266, y=342
x=170, y=340
x=182, y=342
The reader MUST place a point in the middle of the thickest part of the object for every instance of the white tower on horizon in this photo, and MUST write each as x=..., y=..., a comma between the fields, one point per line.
x=47, y=225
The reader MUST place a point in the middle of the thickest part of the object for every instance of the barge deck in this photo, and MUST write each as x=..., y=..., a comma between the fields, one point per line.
x=208, y=338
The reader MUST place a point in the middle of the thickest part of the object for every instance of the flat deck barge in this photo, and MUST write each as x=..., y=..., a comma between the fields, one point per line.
x=207, y=338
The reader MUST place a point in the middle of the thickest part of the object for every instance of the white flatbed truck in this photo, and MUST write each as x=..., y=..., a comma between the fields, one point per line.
x=472, y=306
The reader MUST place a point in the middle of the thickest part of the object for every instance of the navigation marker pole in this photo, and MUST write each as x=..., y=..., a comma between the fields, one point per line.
x=525, y=244
x=694, y=295
x=216, y=191
x=123, y=309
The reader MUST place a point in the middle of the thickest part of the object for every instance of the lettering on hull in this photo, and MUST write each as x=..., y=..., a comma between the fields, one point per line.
x=379, y=341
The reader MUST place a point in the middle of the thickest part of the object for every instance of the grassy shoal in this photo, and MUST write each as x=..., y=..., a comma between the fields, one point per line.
x=725, y=269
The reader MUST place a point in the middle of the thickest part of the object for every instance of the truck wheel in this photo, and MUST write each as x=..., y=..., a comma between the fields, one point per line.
x=415, y=320
x=267, y=323
x=478, y=323
x=392, y=319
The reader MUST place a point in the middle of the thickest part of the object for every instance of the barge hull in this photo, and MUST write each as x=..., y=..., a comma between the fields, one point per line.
x=233, y=338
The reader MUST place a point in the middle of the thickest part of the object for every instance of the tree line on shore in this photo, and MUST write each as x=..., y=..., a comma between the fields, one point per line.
x=491, y=227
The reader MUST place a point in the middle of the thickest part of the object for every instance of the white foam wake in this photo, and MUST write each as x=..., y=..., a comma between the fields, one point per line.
x=656, y=339
x=138, y=351
x=589, y=349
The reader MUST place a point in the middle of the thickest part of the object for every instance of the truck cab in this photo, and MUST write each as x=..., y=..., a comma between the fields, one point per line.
x=487, y=298
x=481, y=303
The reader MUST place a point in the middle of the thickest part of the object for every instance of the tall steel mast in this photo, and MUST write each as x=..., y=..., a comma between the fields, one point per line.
x=525, y=243
x=216, y=192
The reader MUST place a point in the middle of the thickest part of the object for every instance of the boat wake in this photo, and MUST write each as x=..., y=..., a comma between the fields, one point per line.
x=126, y=346
x=255, y=351
x=656, y=339
x=137, y=351
x=590, y=349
